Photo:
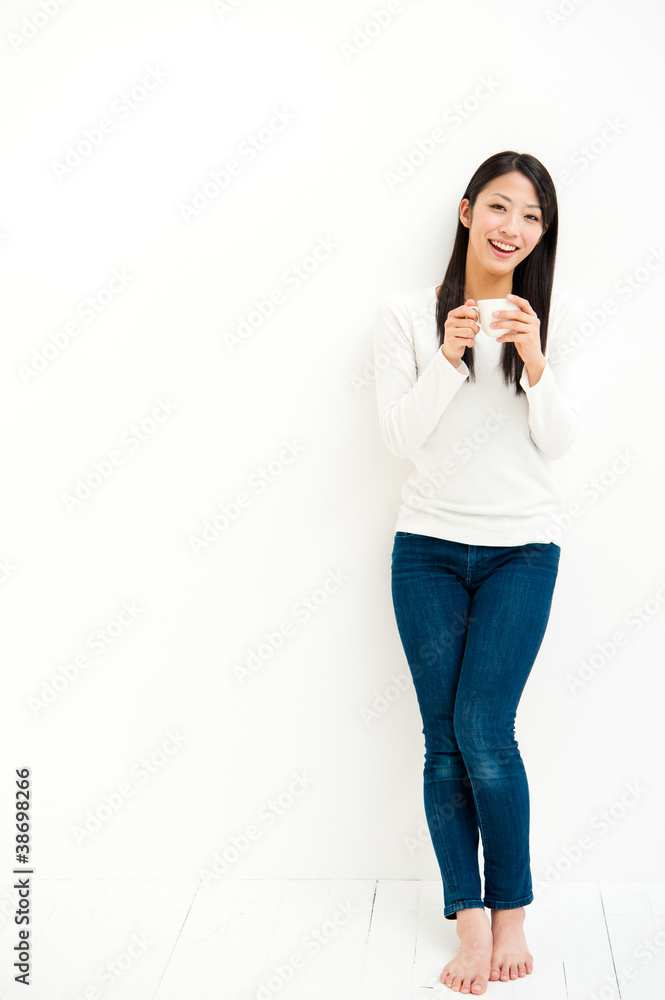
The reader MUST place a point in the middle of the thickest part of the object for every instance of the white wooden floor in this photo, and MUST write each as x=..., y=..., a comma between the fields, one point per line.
x=319, y=940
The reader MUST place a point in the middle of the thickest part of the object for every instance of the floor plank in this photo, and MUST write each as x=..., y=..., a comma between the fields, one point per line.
x=389, y=956
x=585, y=942
x=95, y=935
x=224, y=940
x=638, y=947
x=359, y=939
x=303, y=937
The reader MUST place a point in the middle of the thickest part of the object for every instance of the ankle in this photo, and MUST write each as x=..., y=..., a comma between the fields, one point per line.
x=471, y=920
x=514, y=916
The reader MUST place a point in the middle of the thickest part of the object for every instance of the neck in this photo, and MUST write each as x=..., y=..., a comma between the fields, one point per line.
x=480, y=284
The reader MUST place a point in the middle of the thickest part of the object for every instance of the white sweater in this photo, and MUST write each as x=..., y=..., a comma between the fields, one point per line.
x=481, y=453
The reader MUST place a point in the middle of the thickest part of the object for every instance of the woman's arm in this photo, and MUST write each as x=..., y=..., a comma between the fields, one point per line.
x=409, y=406
x=554, y=402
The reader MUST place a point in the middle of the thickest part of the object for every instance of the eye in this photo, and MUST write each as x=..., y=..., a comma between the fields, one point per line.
x=534, y=217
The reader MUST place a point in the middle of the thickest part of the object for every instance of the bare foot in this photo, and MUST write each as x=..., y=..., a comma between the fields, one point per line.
x=511, y=959
x=467, y=972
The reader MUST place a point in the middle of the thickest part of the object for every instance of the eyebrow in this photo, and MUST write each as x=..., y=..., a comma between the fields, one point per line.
x=506, y=198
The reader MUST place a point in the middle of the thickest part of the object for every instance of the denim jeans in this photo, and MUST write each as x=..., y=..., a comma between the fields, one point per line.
x=471, y=619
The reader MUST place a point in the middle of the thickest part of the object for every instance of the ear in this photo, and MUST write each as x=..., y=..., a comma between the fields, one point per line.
x=463, y=209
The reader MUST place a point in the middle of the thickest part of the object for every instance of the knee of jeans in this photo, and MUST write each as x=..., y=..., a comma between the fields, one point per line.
x=444, y=766
x=487, y=750
x=442, y=754
x=491, y=762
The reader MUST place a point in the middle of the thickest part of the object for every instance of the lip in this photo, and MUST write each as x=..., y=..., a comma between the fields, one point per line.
x=501, y=253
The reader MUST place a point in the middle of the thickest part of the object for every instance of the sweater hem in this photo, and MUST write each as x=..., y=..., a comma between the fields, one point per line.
x=436, y=527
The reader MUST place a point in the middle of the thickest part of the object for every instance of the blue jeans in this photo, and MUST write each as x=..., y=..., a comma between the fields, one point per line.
x=471, y=619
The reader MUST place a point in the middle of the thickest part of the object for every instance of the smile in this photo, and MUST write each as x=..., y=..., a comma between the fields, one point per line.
x=503, y=249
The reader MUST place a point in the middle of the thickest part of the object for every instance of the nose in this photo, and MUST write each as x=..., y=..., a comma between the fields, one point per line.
x=509, y=226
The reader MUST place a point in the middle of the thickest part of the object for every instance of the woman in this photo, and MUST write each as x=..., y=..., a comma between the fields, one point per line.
x=473, y=561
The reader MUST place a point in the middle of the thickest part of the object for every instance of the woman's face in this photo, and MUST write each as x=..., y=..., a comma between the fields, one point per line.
x=506, y=211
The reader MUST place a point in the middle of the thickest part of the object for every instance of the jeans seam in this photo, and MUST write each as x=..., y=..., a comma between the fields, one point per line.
x=507, y=904
x=487, y=863
x=463, y=904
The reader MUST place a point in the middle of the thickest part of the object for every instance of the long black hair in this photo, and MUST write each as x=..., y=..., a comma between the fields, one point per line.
x=532, y=277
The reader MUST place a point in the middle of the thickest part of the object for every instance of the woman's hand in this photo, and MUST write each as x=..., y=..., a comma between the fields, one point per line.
x=526, y=330
x=459, y=331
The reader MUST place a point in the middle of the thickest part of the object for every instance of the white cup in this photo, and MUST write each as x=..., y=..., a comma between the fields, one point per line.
x=485, y=308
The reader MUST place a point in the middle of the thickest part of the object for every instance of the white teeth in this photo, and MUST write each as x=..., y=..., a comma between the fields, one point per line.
x=502, y=246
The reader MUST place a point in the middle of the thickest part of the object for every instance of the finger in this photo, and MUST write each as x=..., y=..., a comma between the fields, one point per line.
x=510, y=323
x=523, y=303
x=511, y=336
x=510, y=314
x=462, y=325
x=465, y=339
x=522, y=325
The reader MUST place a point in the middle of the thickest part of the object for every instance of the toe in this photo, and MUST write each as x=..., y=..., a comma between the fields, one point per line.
x=521, y=970
x=495, y=973
x=513, y=972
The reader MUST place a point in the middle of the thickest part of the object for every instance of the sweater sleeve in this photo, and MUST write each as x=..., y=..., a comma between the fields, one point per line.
x=554, y=401
x=410, y=404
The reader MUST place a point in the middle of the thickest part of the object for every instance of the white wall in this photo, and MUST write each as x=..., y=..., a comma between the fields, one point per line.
x=325, y=514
